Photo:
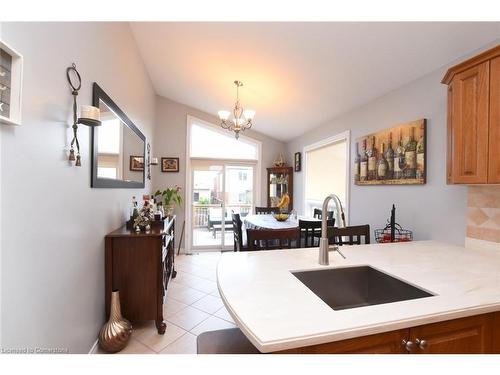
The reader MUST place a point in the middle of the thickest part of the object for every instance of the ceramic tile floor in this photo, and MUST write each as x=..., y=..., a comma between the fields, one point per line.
x=192, y=306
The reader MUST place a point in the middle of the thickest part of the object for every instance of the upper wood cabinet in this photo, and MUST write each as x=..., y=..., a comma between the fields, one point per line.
x=494, y=149
x=473, y=120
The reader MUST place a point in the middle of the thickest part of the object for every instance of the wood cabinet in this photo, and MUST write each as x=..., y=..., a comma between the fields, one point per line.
x=473, y=120
x=140, y=265
x=472, y=335
x=382, y=343
x=494, y=146
x=279, y=182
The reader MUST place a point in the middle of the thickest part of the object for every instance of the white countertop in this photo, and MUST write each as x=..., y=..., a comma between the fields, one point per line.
x=277, y=312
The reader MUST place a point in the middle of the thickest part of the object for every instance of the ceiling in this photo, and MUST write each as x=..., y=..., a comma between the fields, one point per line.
x=297, y=75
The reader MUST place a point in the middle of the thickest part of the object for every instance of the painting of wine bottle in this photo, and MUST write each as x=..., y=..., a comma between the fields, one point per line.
x=393, y=156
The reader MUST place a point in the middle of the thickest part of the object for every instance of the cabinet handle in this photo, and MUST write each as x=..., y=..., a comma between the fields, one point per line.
x=409, y=345
x=422, y=344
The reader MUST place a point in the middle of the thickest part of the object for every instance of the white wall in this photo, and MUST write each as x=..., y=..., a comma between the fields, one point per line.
x=53, y=223
x=170, y=141
x=432, y=211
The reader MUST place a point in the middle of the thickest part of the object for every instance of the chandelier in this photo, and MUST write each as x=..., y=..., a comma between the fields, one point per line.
x=242, y=119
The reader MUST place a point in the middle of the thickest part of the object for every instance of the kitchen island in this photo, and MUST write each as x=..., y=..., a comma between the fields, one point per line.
x=277, y=312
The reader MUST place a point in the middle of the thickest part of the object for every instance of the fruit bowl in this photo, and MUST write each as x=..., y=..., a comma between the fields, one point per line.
x=281, y=217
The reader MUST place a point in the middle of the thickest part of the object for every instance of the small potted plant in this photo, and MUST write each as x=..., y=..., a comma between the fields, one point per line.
x=171, y=197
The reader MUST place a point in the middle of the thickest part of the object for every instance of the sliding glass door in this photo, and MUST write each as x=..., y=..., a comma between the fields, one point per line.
x=218, y=188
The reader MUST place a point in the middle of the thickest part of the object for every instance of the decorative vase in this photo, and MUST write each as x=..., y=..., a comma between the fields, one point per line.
x=169, y=210
x=115, y=334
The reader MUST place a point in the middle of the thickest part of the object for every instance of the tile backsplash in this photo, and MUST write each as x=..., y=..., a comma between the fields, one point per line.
x=483, y=213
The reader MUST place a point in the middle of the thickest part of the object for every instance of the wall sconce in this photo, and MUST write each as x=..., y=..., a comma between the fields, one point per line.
x=89, y=115
x=150, y=161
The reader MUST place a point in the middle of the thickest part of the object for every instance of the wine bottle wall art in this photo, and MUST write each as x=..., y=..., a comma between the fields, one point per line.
x=394, y=156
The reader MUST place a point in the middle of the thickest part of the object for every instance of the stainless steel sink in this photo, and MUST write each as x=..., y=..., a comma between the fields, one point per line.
x=350, y=287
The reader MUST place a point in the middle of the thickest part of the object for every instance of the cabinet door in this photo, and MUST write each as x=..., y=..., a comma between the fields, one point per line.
x=469, y=121
x=381, y=343
x=472, y=335
x=494, y=149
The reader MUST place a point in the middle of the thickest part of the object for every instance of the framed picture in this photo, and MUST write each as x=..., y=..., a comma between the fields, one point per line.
x=394, y=156
x=136, y=163
x=297, y=162
x=170, y=164
x=11, y=80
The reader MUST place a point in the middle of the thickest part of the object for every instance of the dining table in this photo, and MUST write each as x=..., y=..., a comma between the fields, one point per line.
x=267, y=221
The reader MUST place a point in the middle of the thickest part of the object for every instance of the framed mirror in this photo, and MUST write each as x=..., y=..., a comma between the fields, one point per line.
x=118, y=147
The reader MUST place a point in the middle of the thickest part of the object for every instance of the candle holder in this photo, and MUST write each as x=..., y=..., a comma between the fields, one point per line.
x=91, y=117
x=150, y=161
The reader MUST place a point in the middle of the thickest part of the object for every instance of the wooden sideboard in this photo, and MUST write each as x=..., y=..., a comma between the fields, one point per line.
x=140, y=266
x=474, y=120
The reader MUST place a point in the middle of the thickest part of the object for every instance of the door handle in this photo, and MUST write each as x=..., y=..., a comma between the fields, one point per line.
x=408, y=345
x=422, y=344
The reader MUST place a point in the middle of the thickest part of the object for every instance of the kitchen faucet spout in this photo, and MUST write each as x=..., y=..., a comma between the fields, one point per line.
x=323, y=242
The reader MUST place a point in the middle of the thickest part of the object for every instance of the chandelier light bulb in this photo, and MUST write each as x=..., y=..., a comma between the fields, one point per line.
x=248, y=114
x=224, y=115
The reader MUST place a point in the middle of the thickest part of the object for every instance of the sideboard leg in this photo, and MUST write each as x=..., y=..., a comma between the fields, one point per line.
x=160, y=326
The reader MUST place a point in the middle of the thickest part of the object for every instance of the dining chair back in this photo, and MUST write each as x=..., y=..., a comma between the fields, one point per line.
x=310, y=232
x=349, y=235
x=266, y=210
x=318, y=214
x=237, y=232
x=270, y=239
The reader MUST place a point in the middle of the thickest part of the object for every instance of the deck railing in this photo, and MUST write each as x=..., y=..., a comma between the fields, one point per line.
x=201, y=212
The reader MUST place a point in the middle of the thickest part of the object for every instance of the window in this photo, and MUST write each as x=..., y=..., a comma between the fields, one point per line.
x=326, y=172
x=109, y=137
x=242, y=176
x=210, y=143
x=107, y=172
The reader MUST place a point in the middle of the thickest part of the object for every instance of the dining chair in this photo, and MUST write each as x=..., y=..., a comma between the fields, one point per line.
x=349, y=235
x=318, y=214
x=271, y=239
x=266, y=210
x=238, y=233
x=310, y=231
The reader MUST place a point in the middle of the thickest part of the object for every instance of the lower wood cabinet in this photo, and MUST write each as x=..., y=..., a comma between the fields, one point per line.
x=478, y=334
x=140, y=266
x=473, y=335
x=382, y=343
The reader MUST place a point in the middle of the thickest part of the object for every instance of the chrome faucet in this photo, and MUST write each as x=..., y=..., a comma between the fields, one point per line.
x=323, y=241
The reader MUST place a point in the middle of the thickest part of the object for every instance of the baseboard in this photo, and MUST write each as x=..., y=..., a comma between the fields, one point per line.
x=94, y=347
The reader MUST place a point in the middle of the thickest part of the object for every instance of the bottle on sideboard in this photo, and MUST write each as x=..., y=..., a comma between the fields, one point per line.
x=399, y=158
x=421, y=154
x=411, y=156
x=357, y=161
x=382, y=165
x=372, y=160
x=135, y=209
x=363, y=164
x=389, y=157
